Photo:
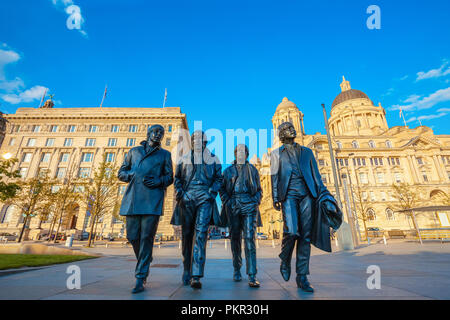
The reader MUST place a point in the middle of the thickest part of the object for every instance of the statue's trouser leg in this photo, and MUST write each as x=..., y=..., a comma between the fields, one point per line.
x=200, y=237
x=235, y=240
x=134, y=232
x=304, y=242
x=142, y=238
x=249, y=228
x=187, y=234
x=291, y=233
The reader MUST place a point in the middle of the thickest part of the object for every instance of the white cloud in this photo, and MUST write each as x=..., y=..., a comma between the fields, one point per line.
x=11, y=85
x=29, y=95
x=443, y=70
x=412, y=98
x=430, y=101
x=7, y=56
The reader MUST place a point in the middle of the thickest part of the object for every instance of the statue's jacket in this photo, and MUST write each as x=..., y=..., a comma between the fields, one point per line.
x=144, y=161
x=212, y=172
x=230, y=176
x=281, y=170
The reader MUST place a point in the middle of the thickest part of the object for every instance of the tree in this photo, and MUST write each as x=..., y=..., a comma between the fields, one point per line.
x=63, y=197
x=115, y=214
x=408, y=197
x=101, y=193
x=30, y=200
x=8, y=189
x=362, y=207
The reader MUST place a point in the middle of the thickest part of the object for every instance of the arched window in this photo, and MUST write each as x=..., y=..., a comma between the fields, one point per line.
x=390, y=214
x=388, y=144
x=7, y=213
x=355, y=144
x=339, y=144
x=372, y=144
x=371, y=215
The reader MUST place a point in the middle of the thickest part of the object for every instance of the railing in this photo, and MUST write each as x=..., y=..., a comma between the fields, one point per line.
x=442, y=234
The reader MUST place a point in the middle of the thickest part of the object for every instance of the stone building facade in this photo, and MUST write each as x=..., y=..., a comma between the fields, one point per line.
x=370, y=158
x=55, y=138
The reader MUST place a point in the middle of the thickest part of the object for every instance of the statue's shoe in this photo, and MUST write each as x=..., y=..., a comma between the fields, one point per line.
x=195, y=283
x=253, y=282
x=285, y=270
x=186, y=277
x=139, y=287
x=237, y=275
x=303, y=283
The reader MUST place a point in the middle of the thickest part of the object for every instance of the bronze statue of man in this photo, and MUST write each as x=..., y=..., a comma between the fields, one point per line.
x=241, y=195
x=308, y=207
x=198, y=178
x=148, y=171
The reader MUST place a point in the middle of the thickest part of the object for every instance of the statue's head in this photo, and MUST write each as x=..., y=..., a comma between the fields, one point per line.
x=198, y=141
x=286, y=131
x=241, y=153
x=155, y=133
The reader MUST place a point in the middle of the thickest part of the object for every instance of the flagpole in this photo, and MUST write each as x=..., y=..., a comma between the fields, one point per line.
x=104, y=95
x=165, y=98
x=403, y=117
x=43, y=97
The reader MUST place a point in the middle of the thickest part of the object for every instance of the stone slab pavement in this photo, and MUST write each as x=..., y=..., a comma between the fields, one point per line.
x=408, y=271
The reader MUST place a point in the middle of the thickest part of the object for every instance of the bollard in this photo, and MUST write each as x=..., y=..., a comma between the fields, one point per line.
x=179, y=244
x=225, y=243
x=210, y=244
x=257, y=243
x=336, y=242
x=368, y=241
x=273, y=243
x=106, y=245
x=384, y=240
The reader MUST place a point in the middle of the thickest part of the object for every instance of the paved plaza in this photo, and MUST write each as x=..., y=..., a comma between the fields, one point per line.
x=408, y=271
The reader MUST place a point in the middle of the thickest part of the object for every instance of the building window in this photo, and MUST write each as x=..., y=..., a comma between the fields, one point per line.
x=390, y=214
x=115, y=128
x=321, y=162
x=363, y=178
x=170, y=128
x=12, y=141
x=46, y=157
x=64, y=157
x=50, y=142
x=398, y=177
x=93, y=128
x=372, y=144
x=122, y=189
x=31, y=142
x=358, y=123
x=87, y=157
x=388, y=144
x=168, y=142
x=319, y=146
x=339, y=144
x=36, y=128
x=324, y=179
x=380, y=177
x=68, y=142
x=60, y=173
x=383, y=196
x=110, y=156
x=84, y=172
x=23, y=172
x=90, y=142
x=371, y=215
x=425, y=177
x=112, y=142
x=132, y=128
x=420, y=161
x=54, y=128
x=131, y=142
x=355, y=144
x=72, y=128
x=17, y=128
x=27, y=157
x=372, y=196
x=364, y=195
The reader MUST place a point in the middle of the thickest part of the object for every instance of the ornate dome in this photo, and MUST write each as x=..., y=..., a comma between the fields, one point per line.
x=286, y=105
x=348, y=94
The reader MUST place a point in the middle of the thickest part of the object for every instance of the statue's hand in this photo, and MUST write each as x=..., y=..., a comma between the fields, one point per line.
x=152, y=182
x=330, y=206
x=277, y=205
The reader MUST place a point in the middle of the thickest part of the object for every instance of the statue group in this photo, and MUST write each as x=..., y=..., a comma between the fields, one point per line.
x=308, y=208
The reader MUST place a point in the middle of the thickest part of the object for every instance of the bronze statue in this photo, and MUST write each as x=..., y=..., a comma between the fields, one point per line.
x=309, y=209
x=198, y=178
x=241, y=195
x=148, y=171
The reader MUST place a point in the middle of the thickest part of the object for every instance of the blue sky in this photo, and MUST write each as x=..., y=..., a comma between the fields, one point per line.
x=229, y=63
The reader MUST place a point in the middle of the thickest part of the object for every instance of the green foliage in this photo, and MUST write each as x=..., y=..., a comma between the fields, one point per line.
x=8, y=190
x=9, y=261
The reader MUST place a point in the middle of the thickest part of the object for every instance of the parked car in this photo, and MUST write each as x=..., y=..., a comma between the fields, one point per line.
x=7, y=236
x=261, y=236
